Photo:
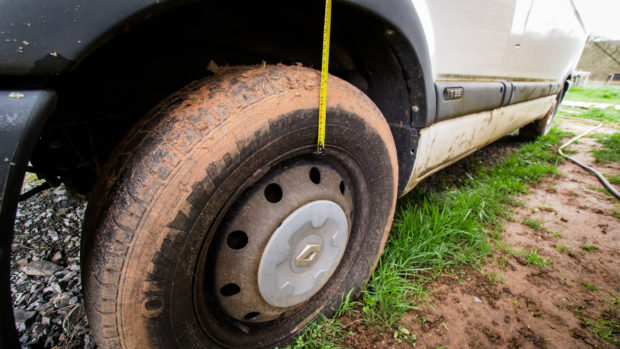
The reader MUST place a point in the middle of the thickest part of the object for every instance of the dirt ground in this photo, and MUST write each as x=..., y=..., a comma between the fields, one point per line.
x=513, y=304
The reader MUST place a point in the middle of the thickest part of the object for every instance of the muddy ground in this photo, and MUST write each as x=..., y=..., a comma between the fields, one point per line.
x=513, y=304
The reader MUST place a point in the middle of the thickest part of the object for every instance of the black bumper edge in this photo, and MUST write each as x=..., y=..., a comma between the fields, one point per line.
x=22, y=116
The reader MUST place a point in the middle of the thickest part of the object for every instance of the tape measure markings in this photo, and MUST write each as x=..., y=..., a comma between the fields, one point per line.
x=320, y=145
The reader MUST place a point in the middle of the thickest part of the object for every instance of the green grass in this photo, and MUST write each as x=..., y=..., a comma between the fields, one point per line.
x=534, y=224
x=596, y=114
x=403, y=335
x=562, y=248
x=437, y=232
x=615, y=301
x=495, y=278
x=546, y=208
x=589, y=248
x=503, y=261
x=323, y=333
x=607, y=328
x=598, y=94
x=326, y=333
x=534, y=258
x=613, y=178
x=610, y=151
x=32, y=180
x=570, y=151
x=569, y=110
x=589, y=286
x=599, y=189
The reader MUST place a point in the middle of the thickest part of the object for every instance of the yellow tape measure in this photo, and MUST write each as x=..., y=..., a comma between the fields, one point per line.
x=320, y=144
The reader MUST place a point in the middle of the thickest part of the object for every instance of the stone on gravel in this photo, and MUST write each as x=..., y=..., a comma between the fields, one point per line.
x=57, y=256
x=68, y=277
x=22, y=315
x=41, y=268
x=62, y=300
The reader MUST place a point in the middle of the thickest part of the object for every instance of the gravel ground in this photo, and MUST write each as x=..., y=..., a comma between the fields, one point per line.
x=45, y=272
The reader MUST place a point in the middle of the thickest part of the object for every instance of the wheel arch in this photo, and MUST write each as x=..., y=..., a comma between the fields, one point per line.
x=378, y=48
x=55, y=39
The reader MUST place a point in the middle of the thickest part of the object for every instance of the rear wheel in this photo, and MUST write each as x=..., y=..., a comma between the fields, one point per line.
x=216, y=225
x=542, y=126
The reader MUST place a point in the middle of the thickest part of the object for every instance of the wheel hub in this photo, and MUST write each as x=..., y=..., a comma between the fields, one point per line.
x=281, y=242
x=303, y=253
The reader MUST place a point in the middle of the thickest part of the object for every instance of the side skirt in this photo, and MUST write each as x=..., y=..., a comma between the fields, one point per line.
x=446, y=142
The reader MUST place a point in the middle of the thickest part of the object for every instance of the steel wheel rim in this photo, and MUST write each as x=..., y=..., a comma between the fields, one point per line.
x=257, y=214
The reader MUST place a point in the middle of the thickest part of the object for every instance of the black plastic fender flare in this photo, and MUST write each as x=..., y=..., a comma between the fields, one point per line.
x=41, y=38
x=22, y=115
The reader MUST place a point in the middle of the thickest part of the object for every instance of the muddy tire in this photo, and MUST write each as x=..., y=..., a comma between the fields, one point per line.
x=542, y=126
x=180, y=245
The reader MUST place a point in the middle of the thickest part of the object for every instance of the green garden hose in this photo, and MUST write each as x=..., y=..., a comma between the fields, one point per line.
x=595, y=172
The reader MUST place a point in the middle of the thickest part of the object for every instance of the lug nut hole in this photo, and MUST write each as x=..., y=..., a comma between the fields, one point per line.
x=230, y=290
x=273, y=193
x=251, y=315
x=153, y=304
x=315, y=175
x=237, y=240
x=342, y=187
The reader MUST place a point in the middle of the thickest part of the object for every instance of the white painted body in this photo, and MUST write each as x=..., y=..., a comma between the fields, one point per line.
x=513, y=40
x=498, y=40
x=445, y=142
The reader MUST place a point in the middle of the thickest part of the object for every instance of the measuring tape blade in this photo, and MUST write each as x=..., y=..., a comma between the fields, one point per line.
x=320, y=144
